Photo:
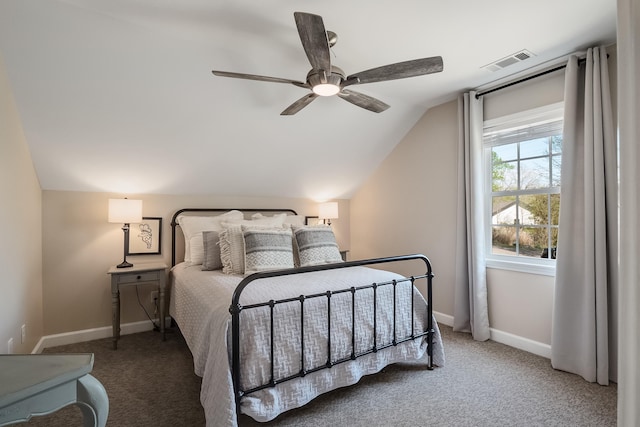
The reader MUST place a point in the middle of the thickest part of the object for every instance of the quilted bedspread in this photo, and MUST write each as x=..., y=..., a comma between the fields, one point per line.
x=200, y=303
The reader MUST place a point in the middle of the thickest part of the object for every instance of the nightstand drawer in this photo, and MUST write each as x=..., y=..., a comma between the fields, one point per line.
x=138, y=277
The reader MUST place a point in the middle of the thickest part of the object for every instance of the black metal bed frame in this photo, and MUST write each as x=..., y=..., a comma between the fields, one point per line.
x=236, y=308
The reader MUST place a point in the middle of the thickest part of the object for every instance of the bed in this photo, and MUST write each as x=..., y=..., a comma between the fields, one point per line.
x=298, y=321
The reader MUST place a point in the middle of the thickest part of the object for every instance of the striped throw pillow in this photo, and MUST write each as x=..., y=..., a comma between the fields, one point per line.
x=267, y=249
x=316, y=245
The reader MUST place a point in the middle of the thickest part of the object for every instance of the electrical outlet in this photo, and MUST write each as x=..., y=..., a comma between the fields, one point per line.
x=23, y=334
x=10, y=346
x=154, y=297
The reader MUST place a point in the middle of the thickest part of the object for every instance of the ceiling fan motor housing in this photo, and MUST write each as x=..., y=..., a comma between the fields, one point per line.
x=320, y=77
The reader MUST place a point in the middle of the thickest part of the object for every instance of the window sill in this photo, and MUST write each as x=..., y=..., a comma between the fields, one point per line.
x=546, y=269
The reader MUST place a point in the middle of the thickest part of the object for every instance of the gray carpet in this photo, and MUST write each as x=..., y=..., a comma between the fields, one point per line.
x=151, y=383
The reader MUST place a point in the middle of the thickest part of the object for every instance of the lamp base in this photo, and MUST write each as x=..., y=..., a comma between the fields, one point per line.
x=124, y=264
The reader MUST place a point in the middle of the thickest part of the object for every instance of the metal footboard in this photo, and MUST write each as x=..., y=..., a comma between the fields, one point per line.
x=236, y=308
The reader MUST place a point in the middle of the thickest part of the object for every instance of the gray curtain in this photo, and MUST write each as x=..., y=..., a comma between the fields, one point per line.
x=470, y=313
x=629, y=135
x=587, y=260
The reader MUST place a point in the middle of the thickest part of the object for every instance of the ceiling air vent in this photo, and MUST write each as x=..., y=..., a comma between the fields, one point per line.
x=509, y=60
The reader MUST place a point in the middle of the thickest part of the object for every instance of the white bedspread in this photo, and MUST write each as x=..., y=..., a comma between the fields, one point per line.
x=200, y=303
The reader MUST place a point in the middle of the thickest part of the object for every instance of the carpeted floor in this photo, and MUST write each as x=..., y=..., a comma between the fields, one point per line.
x=151, y=383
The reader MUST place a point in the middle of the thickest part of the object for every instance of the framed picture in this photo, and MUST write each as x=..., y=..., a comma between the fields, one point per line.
x=312, y=220
x=145, y=238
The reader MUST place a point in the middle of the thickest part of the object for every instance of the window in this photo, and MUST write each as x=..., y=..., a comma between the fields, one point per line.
x=523, y=154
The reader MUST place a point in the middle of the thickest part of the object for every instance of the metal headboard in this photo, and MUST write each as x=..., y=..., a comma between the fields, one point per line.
x=213, y=211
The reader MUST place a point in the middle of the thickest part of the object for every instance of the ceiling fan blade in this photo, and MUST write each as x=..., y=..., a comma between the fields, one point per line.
x=260, y=78
x=362, y=100
x=299, y=104
x=399, y=70
x=314, y=40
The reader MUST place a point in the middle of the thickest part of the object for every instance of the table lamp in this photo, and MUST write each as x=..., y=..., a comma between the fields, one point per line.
x=328, y=211
x=125, y=211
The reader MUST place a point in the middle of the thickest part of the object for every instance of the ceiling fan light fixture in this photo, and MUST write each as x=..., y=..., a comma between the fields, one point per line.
x=326, y=89
x=326, y=84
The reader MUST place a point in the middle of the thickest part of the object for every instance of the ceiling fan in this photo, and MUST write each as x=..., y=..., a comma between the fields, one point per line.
x=325, y=79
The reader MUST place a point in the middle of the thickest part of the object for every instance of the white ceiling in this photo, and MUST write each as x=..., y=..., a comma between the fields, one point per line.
x=118, y=95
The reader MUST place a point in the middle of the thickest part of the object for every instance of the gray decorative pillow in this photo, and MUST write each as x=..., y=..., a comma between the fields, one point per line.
x=232, y=242
x=316, y=245
x=267, y=249
x=211, y=242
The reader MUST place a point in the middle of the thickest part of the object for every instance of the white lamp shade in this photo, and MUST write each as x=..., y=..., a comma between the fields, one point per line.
x=125, y=211
x=328, y=210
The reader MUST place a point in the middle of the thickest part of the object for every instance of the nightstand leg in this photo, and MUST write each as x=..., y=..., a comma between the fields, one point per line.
x=115, y=319
x=163, y=284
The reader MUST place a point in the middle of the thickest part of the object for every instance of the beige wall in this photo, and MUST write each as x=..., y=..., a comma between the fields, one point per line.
x=20, y=246
x=79, y=246
x=409, y=205
x=520, y=303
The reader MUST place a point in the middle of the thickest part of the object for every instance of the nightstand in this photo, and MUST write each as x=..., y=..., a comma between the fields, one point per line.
x=139, y=273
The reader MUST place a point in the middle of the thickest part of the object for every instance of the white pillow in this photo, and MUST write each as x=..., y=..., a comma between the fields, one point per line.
x=232, y=241
x=296, y=220
x=192, y=228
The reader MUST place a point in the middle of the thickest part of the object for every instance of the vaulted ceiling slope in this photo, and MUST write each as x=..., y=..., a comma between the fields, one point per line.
x=118, y=95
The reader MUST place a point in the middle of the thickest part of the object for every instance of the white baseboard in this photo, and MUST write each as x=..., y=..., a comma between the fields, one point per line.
x=93, y=334
x=445, y=319
x=521, y=343
x=506, y=338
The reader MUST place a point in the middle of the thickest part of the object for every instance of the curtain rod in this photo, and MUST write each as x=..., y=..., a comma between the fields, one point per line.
x=533, y=76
